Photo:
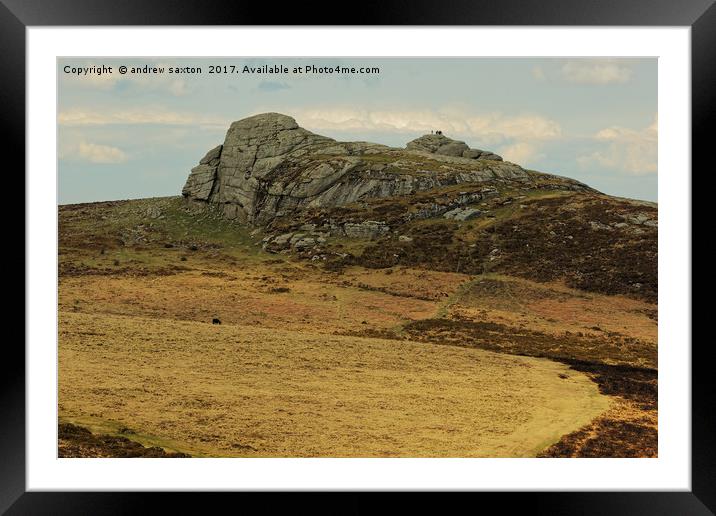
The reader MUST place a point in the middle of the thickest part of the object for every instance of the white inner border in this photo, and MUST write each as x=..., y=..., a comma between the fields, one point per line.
x=671, y=471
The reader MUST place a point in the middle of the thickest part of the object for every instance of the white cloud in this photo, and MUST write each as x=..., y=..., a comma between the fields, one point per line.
x=591, y=71
x=492, y=129
x=629, y=150
x=95, y=153
x=92, y=153
x=80, y=117
x=521, y=152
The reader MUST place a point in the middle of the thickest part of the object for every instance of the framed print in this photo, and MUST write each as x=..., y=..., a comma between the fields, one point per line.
x=425, y=252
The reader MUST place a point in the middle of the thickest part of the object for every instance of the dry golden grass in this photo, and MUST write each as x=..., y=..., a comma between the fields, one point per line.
x=358, y=299
x=245, y=295
x=552, y=308
x=406, y=282
x=230, y=390
x=289, y=372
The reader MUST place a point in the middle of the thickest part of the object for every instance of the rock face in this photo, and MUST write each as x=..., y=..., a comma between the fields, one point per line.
x=270, y=167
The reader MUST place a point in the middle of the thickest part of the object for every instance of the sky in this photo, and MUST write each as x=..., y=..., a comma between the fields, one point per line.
x=135, y=135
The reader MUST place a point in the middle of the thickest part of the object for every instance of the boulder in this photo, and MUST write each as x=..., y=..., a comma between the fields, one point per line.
x=366, y=229
x=472, y=153
x=283, y=239
x=429, y=143
x=442, y=145
x=639, y=218
x=462, y=214
x=453, y=149
x=153, y=212
x=304, y=243
x=491, y=156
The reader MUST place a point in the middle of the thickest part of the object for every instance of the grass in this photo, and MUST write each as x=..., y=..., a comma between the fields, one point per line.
x=543, y=236
x=137, y=336
x=85, y=436
x=235, y=391
x=124, y=228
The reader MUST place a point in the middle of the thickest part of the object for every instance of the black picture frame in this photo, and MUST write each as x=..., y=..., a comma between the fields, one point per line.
x=17, y=15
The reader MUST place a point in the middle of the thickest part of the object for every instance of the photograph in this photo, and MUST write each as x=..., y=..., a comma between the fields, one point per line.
x=357, y=257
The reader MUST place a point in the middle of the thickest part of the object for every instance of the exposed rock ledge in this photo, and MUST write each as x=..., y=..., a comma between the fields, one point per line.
x=269, y=167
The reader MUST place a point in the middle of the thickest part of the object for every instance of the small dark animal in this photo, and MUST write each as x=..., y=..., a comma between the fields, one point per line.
x=215, y=321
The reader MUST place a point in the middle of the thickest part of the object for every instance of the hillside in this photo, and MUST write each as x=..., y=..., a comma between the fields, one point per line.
x=427, y=205
x=404, y=260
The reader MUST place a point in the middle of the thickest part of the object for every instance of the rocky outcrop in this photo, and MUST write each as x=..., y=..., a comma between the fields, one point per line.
x=310, y=235
x=269, y=167
x=462, y=214
x=365, y=229
x=202, y=179
x=442, y=145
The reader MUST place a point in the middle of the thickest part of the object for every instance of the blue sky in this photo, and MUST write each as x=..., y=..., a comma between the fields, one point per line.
x=138, y=135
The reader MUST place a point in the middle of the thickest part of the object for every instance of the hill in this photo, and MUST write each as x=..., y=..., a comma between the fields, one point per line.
x=413, y=263
x=437, y=203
